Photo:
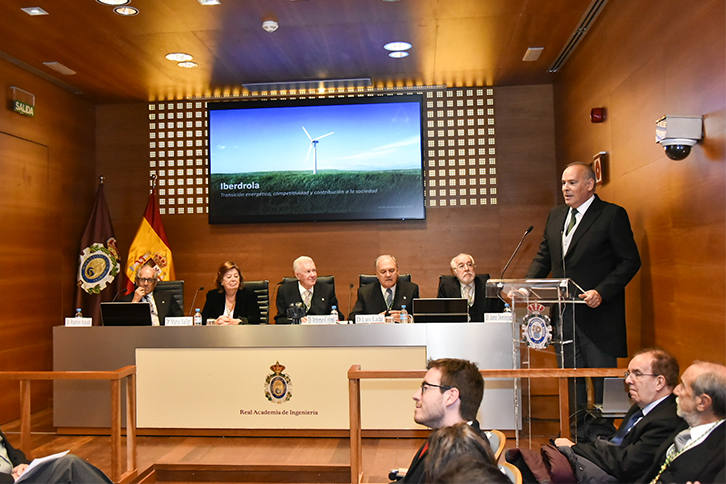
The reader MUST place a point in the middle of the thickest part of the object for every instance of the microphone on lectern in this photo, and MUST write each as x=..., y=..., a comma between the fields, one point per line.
x=516, y=250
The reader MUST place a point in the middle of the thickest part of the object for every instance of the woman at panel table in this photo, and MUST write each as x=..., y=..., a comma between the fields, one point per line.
x=230, y=302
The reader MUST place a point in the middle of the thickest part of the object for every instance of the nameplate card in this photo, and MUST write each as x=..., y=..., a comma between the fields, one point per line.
x=322, y=319
x=179, y=321
x=79, y=322
x=498, y=318
x=369, y=318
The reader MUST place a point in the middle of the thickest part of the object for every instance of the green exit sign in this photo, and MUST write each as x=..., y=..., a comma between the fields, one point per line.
x=23, y=108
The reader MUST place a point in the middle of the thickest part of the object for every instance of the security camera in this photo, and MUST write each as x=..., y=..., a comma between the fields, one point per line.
x=677, y=134
x=270, y=25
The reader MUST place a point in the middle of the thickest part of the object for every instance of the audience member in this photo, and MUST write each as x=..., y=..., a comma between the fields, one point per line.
x=449, y=443
x=69, y=469
x=450, y=393
x=697, y=453
x=624, y=457
x=470, y=287
x=387, y=294
x=161, y=303
x=316, y=298
x=470, y=470
x=230, y=303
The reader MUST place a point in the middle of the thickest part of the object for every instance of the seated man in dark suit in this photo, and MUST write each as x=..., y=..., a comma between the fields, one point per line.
x=450, y=393
x=318, y=299
x=625, y=456
x=699, y=452
x=388, y=294
x=68, y=469
x=162, y=303
x=469, y=286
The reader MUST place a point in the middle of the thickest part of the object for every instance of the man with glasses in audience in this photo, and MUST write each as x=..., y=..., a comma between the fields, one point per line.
x=161, y=303
x=470, y=287
x=450, y=393
x=625, y=456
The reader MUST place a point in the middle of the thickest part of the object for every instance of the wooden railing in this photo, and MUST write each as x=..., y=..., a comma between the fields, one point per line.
x=355, y=375
x=115, y=377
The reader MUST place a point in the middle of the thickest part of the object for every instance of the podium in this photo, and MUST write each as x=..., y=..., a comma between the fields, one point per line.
x=542, y=321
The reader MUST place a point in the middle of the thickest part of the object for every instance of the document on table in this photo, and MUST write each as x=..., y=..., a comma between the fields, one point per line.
x=37, y=462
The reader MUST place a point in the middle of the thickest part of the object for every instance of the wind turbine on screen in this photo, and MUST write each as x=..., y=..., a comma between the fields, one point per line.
x=314, y=146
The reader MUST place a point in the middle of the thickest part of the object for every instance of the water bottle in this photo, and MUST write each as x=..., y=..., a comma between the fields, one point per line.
x=197, y=318
x=334, y=312
x=507, y=308
x=404, y=315
x=79, y=314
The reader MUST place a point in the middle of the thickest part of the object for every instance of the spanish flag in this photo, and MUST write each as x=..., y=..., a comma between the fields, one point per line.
x=150, y=246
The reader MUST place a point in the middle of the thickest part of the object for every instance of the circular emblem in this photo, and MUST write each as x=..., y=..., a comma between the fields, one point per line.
x=278, y=386
x=97, y=269
x=537, y=331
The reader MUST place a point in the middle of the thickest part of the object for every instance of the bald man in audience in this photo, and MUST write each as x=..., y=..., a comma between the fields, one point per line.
x=470, y=287
x=318, y=299
x=699, y=452
x=388, y=294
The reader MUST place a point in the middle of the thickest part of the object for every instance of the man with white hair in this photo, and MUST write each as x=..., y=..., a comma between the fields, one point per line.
x=318, y=299
x=471, y=287
x=699, y=452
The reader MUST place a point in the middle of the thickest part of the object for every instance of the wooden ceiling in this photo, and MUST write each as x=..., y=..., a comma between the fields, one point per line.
x=121, y=59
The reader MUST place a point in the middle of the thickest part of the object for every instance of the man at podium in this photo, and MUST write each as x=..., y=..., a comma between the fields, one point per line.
x=590, y=241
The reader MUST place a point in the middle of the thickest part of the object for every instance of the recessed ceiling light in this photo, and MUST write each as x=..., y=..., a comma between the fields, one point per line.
x=126, y=11
x=57, y=66
x=397, y=46
x=114, y=3
x=398, y=54
x=33, y=11
x=179, y=56
x=532, y=54
x=209, y=2
x=187, y=64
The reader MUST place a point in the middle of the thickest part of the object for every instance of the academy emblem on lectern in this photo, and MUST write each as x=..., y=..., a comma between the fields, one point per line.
x=278, y=386
x=536, y=328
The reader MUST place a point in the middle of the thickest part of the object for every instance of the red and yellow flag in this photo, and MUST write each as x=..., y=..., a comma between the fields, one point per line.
x=150, y=246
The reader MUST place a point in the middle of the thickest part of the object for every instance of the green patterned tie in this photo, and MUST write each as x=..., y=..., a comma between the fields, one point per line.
x=573, y=213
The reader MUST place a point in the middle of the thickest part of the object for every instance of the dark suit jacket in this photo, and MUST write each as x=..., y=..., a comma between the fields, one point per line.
x=322, y=303
x=415, y=473
x=629, y=460
x=704, y=463
x=166, y=305
x=245, y=307
x=602, y=256
x=16, y=457
x=450, y=287
x=370, y=299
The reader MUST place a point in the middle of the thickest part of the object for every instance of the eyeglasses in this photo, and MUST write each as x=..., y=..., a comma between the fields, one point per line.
x=637, y=374
x=425, y=384
x=146, y=280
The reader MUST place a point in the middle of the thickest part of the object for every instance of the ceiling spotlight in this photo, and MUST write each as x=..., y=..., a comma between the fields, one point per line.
x=270, y=25
x=114, y=3
x=187, y=64
x=398, y=54
x=396, y=46
x=209, y=2
x=179, y=56
x=126, y=11
x=33, y=11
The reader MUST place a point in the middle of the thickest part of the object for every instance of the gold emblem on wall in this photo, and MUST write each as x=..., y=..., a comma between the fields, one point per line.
x=278, y=385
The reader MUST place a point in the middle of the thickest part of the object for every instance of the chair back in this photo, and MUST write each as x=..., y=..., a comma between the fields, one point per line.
x=176, y=288
x=262, y=291
x=321, y=280
x=364, y=279
x=497, y=440
x=511, y=471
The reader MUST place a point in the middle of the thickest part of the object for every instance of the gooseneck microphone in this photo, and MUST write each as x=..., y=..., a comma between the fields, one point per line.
x=516, y=250
x=194, y=299
x=122, y=291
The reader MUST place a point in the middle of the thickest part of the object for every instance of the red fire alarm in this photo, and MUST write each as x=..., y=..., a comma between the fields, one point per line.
x=597, y=115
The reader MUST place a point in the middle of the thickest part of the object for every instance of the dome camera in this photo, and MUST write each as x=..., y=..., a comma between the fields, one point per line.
x=270, y=26
x=677, y=134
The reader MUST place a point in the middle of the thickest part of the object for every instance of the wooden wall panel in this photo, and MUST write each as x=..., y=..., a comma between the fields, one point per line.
x=672, y=64
x=345, y=249
x=46, y=164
